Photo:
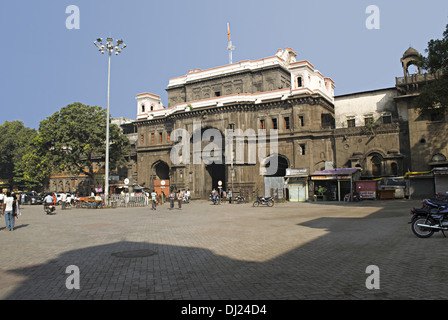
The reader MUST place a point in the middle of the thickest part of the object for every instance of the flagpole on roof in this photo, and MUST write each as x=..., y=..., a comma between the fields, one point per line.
x=230, y=48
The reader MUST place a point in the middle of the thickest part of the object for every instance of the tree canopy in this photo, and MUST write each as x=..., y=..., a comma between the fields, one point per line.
x=73, y=140
x=15, y=142
x=434, y=95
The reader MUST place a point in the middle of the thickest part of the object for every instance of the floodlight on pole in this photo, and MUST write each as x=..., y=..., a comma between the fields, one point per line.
x=110, y=48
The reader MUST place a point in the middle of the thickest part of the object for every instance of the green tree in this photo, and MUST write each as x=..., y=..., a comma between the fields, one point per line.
x=73, y=140
x=15, y=142
x=434, y=95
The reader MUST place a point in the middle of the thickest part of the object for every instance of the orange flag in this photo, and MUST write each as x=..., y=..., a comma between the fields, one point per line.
x=228, y=31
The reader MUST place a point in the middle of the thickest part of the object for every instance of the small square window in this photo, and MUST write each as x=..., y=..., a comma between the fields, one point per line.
x=351, y=123
x=387, y=118
x=368, y=121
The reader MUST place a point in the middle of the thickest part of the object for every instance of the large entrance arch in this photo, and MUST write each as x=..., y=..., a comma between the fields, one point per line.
x=212, y=148
x=160, y=177
x=161, y=170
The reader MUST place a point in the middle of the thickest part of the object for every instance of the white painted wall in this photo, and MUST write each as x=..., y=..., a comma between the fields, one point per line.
x=148, y=100
x=362, y=104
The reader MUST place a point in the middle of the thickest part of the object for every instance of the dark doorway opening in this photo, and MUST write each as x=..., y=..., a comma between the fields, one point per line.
x=282, y=165
x=162, y=171
x=217, y=173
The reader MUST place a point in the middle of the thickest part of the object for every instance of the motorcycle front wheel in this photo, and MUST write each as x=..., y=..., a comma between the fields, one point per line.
x=422, y=232
x=256, y=203
x=270, y=203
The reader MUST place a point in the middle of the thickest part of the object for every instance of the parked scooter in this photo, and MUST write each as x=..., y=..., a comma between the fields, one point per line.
x=264, y=201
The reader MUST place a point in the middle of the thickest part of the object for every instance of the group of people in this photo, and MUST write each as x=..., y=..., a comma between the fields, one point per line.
x=10, y=208
x=179, y=196
x=225, y=195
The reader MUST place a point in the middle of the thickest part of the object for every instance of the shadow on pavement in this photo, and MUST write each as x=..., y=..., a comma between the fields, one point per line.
x=332, y=266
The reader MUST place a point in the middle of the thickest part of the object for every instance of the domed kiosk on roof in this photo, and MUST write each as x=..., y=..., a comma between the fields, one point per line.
x=410, y=57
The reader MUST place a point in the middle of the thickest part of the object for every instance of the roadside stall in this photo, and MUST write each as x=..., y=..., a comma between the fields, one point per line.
x=94, y=202
x=420, y=184
x=296, y=182
x=392, y=188
x=367, y=189
x=335, y=184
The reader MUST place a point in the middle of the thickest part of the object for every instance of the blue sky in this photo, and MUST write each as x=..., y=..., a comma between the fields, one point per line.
x=45, y=66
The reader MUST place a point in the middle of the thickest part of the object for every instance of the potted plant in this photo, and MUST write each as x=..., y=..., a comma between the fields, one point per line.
x=321, y=190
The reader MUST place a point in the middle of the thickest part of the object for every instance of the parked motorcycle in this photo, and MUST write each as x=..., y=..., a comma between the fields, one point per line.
x=240, y=199
x=264, y=201
x=49, y=209
x=427, y=220
x=434, y=203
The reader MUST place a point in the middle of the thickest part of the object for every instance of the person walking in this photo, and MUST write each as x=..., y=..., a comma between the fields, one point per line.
x=146, y=198
x=2, y=204
x=229, y=194
x=179, y=199
x=154, y=199
x=172, y=196
x=9, y=220
x=15, y=208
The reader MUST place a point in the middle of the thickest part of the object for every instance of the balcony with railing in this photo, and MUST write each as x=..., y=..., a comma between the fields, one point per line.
x=417, y=78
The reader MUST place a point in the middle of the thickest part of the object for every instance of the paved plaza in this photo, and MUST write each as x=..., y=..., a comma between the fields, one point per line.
x=293, y=251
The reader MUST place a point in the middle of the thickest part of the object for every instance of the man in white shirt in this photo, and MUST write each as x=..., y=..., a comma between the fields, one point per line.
x=63, y=200
x=154, y=199
x=9, y=219
x=48, y=200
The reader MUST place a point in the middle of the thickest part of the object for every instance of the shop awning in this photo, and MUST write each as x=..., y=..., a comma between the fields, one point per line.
x=335, y=174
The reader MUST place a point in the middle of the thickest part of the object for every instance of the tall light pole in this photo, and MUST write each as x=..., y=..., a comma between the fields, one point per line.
x=110, y=48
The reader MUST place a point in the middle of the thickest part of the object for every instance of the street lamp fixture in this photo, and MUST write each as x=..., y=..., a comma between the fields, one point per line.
x=110, y=48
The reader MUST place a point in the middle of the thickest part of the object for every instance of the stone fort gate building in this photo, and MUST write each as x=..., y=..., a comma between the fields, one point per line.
x=274, y=93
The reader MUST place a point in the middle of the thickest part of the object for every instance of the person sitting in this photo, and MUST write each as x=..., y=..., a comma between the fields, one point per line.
x=48, y=200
